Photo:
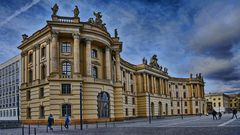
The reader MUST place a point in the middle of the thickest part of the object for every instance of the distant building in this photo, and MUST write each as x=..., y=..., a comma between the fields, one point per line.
x=9, y=88
x=219, y=101
x=234, y=101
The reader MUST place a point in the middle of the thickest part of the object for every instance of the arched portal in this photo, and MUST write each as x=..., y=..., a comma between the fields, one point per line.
x=152, y=109
x=159, y=108
x=166, y=109
x=103, y=104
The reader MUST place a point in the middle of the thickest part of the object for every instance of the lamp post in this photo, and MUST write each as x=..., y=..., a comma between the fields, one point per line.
x=81, y=115
x=149, y=108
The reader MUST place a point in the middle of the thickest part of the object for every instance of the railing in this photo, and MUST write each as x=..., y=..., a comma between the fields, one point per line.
x=66, y=76
x=65, y=19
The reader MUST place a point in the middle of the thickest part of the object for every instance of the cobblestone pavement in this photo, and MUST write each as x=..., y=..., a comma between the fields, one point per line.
x=173, y=125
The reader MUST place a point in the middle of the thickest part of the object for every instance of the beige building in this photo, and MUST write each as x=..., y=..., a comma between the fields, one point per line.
x=234, y=101
x=67, y=52
x=219, y=101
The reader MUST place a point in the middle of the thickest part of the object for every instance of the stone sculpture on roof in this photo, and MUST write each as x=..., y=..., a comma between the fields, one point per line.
x=153, y=61
x=54, y=10
x=144, y=60
x=76, y=11
x=115, y=33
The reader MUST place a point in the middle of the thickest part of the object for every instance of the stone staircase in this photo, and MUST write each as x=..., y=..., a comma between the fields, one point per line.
x=9, y=124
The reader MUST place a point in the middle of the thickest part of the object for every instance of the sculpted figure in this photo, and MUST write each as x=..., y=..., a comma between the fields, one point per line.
x=90, y=20
x=24, y=36
x=98, y=19
x=144, y=60
x=115, y=33
x=54, y=10
x=76, y=11
x=154, y=62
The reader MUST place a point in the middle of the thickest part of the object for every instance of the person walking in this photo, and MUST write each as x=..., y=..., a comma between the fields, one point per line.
x=234, y=113
x=219, y=115
x=67, y=121
x=50, y=121
x=214, y=113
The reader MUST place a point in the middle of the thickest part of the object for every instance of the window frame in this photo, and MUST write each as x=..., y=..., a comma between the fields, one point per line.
x=66, y=47
x=68, y=107
x=65, y=90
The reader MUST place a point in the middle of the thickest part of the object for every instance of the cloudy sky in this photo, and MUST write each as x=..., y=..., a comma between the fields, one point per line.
x=197, y=36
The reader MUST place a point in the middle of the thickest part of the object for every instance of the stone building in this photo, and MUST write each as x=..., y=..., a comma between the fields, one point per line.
x=67, y=52
x=219, y=101
x=9, y=88
x=234, y=101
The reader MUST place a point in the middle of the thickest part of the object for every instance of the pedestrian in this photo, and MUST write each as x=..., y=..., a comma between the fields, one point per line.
x=50, y=121
x=219, y=115
x=67, y=121
x=214, y=113
x=234, y=113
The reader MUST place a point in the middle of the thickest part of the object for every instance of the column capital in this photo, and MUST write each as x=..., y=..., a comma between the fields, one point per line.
x=54, y=34
x=76, y=35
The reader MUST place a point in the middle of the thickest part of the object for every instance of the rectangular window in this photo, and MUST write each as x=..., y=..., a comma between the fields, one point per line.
x=41, y=93
x=43, y=52
x=196, y=103
x=66, y=88
x=178, y=104
x=30, y=76
x=28, y=95
x=184, y=87
x=185, y=103
x=126, y=100
x=132, y=88
x=66, y=110
x=66, y=47
x=133, y=101
x=196, y=110
x=28, y=113
x=134, y=112
x=126, y=112
x=186, y=111
x=30, y=58
x=178, y=111
x=41, y=112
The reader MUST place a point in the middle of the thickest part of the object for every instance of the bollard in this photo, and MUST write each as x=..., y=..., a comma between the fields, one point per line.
x=29, y=132
x=106, y=124
x=75, y=126
x=47, y=129
x=35, y=131
x=23, y=130
x=96, y=124
x=61, y=127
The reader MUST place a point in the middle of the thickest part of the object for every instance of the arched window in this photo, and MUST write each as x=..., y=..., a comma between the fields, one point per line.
x=152, y=109
x=94, y=53
x=184, y=94
x=30, y=58
x=43, y=51
x=166, y=109
x=43, y=72
x=66, y=68
x=66, y=110
x=30, y=76
x=94, y=72
x=159, y=108
x=103, y=101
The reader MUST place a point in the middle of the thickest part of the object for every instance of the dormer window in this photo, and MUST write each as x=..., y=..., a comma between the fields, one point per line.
x=66, y=47
x=94, y=53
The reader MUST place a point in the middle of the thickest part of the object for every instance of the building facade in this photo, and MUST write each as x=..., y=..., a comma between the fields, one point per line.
x=234, y=101
x=9, y=88
x=67, y=52
x=219, y=101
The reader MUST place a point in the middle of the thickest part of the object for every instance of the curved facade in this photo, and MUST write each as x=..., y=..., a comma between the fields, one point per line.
x=67, y=52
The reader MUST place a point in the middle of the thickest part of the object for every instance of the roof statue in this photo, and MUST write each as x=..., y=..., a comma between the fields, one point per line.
x=90, y=20
x=115, y=33
x=76, y=11
x=154, y=62
x=191, y=75
x=144, y=60
x=24, y=36
x=98, y=20
x=54, y=10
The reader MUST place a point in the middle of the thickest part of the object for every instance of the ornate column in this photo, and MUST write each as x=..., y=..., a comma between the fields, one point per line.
x=54, y=55
x=118, y=66
x=26, y=68
x=147, y=83
x=48, y=57
x=159, y=86
x=108, y=63
x=88, y=58
x=34, y=64
x=76, y=53
x=38, y=69
x=144, y=83
x=22, y=67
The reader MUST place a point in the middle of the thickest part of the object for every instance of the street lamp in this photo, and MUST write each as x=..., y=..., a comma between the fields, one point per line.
x=149, y=108
x=81, y=115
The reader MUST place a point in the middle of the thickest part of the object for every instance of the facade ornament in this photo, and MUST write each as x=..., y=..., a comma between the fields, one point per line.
x=154, y=62
x=144, y=60
x=115, y=33
x=54, y=10
x=24, y=36
x=98, y=20
x=76, y=12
